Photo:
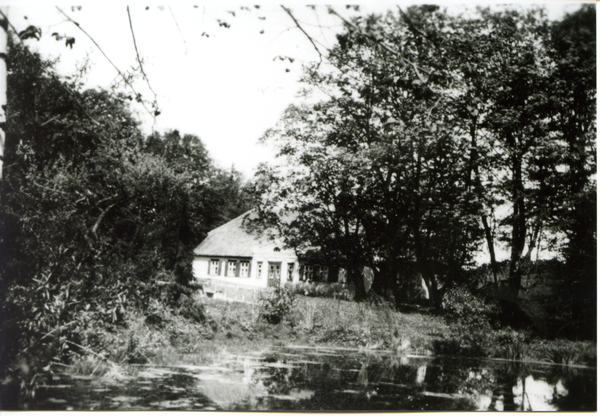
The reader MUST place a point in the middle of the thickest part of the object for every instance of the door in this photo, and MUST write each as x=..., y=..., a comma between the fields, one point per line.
x=274, y=276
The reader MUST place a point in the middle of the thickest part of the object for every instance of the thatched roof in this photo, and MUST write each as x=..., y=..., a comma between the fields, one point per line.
x=231, y=239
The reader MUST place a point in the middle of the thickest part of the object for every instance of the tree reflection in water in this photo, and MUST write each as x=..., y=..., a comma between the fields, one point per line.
x=374, y=381
x=293, y=379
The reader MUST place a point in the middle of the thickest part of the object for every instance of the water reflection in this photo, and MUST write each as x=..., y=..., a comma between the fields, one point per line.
x=294, y=379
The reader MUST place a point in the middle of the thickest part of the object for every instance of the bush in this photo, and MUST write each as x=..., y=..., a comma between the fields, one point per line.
x=191, y=309
x=276, y=306
x=324, y=290
x=466, y=308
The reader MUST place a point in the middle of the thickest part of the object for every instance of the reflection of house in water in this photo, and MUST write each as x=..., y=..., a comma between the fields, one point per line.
x=234, y=263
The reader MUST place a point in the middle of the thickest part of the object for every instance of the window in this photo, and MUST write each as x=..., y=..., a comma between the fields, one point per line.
x=259, y=270
x=290, y=272
x=213, y=269
x=244, y=269
x=308, y=273
x=274, y=270
x=231, y=268
x=321, y=273
x=274, y=276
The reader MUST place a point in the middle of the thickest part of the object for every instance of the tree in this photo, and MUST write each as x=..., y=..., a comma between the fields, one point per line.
x=455, y=120
x=382, y=156
x=3, y=73
x=574, y=96
x=92, y=214
x=525, y=109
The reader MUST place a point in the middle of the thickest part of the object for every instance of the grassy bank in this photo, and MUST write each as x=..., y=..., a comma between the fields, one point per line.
x=216, y=328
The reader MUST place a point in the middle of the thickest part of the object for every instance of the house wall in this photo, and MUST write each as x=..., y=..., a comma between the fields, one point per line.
x=201, y=271
x=201, y=264
x=244, y=288
x=284, y=257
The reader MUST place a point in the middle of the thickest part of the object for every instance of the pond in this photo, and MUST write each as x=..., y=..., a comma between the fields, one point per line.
x=308, y=378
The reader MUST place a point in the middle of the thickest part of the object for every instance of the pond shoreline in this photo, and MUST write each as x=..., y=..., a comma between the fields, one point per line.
x=164, y=337
x=316, y=323
x=315, y=378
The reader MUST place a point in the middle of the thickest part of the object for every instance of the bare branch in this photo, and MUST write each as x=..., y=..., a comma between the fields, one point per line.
x=177, y=24
x=431, y=109
x=137, y=54
x=49, y=189
x=107, y=58
x=289, y=12
x=107, y=199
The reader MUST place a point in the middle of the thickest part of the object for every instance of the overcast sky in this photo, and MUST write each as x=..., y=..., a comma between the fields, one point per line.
x=221, y=84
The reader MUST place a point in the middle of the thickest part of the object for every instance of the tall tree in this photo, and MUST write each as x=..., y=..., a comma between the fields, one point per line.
x=389, y=130
x=574, y=193
x=3, y=81
x=92, y=214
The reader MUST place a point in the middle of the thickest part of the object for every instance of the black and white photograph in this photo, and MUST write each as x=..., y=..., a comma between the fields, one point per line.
x=328, y=207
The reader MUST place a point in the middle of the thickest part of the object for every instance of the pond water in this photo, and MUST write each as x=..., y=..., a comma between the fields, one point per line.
x=306, y=378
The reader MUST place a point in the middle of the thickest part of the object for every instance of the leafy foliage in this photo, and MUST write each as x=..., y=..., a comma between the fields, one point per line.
x=277, y=305
x=468, y=309
x=440, y=131
x=93, y=215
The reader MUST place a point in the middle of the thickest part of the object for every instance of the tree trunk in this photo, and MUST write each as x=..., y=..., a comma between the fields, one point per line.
x=3, y=81
x=489, y=238
x=356, y=277
x=511, y=308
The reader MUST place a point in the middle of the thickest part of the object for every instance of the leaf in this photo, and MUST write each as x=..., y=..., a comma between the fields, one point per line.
x=31, y=32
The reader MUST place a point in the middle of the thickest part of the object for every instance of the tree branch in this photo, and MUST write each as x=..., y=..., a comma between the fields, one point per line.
x=107, y=58
x=137, y=54
x=383, y=45
x=289, y=12
x=176, y=24
x=412, y=26
x=56, y=78
x=100, y=218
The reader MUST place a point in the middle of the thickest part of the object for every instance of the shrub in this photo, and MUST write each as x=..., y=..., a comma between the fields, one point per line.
x=510, y=344
x=277, y=305
x=191, y=309
x=466, y=308
x=324, y=290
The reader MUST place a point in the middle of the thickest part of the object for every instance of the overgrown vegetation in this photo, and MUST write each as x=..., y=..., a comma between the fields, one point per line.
x=432, y=125
x=241, y=328
x=441, y=132
x=276, y=305
x=94, y=217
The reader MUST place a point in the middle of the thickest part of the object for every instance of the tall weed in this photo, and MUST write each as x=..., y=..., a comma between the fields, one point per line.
x=308, y=316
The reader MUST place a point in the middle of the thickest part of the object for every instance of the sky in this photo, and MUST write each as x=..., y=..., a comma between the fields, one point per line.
x=225, y=85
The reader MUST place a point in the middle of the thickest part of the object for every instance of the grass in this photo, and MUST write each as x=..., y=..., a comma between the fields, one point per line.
x=219, y=328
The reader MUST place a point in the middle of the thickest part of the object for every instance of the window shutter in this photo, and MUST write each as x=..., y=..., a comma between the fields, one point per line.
x=220, y=266
x=209, y=263
x=250, y=268
x=237, y=268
